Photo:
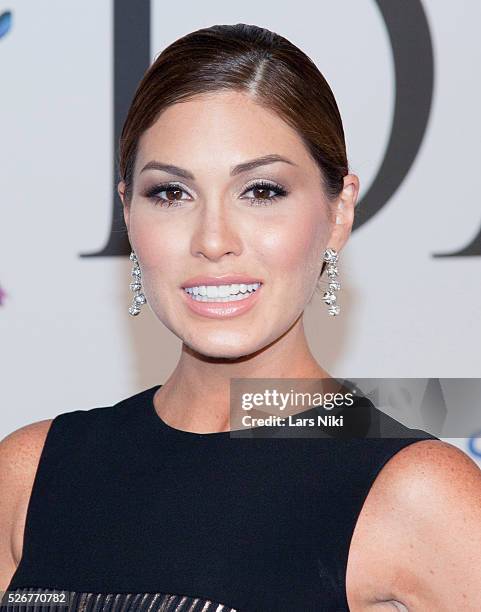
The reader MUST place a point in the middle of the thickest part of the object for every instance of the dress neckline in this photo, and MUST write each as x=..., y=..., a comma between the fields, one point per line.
x=156, y=422
x=159, y=423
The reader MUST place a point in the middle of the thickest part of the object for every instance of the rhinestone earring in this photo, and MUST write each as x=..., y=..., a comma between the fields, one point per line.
x=136, y=287
x=331, y=257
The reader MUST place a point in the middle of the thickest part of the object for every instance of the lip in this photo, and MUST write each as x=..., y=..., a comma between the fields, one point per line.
x=221, y=310
x=226, y=279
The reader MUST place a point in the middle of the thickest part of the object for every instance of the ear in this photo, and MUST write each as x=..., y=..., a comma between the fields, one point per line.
x=125, y=206
x=343, y=212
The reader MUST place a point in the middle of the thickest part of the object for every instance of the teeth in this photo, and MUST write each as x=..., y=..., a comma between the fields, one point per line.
x=222, y=293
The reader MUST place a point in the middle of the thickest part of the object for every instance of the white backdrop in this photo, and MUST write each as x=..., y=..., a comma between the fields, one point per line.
x=67, y=341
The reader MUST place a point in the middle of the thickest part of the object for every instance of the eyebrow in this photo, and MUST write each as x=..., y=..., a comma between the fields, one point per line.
x=244, y=167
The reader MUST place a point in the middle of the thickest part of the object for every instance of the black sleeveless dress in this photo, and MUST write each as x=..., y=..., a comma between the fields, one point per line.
x=127, y=513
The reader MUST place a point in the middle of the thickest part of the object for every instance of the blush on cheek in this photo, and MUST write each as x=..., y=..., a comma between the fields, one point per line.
x=157, y=248
x=292, y=252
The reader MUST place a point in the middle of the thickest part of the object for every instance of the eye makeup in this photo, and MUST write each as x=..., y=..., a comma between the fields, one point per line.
x=263, y=186
x=152, y=193
x=258, y=185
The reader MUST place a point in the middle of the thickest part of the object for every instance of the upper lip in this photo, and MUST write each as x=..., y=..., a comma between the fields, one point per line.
x=226, y=279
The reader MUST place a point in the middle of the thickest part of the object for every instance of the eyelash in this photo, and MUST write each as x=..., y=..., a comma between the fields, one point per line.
x=278, y=189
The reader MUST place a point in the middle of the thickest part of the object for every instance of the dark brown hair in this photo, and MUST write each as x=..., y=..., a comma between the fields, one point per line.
x=245, y=58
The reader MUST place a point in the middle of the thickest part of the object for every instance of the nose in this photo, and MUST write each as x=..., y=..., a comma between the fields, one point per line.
x=215, y=233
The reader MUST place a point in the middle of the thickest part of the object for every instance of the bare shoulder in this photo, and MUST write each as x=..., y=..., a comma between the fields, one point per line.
x=418, y=535
x=426, y=463
x=18, y=448
x=19, y=457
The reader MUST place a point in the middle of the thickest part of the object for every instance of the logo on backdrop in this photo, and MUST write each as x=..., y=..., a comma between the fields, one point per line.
x=474, y=445
x=410, y=39
x=5, y=25
x=5, y=22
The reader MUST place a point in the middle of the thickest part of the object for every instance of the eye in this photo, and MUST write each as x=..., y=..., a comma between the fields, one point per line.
x=261, y=190
x=173, y=192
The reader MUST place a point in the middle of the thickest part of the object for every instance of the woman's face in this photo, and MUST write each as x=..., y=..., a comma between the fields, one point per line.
x=210, y=216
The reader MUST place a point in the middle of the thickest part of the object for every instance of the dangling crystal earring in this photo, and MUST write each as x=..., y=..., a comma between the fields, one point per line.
x=136, y=287
x=330, y=257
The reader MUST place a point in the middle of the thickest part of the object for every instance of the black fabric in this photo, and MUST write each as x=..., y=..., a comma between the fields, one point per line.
x=124, y=503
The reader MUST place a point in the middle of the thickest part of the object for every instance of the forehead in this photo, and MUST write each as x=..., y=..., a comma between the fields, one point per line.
x=227, y=127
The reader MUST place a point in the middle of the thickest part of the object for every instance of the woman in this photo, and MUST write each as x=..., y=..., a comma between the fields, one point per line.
x=236, y=195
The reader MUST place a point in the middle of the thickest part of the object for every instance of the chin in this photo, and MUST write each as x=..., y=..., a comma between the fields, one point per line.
x=230, y=348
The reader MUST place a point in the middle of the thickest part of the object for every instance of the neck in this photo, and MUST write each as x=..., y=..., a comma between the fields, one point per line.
x=196, y=396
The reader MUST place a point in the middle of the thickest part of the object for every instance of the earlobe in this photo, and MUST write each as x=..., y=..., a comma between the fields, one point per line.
x=126, y=212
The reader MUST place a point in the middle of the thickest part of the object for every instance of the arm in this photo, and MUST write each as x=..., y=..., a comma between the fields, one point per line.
x=19, y=456
x=419, y=533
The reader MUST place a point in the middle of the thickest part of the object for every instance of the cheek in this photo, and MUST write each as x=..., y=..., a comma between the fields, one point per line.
x=292, y=250
x=286, y=248
x=156, y=245
x=159, y=248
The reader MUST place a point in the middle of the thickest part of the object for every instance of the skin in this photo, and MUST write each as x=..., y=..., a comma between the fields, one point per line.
x=215, y=231
x=418, y=535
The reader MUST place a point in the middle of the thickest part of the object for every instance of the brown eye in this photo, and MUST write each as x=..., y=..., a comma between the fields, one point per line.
x=175, y=192
x=261, y=193
x=173, y=195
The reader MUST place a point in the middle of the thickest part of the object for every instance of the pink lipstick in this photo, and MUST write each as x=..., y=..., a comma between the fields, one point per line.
x=223, y=296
